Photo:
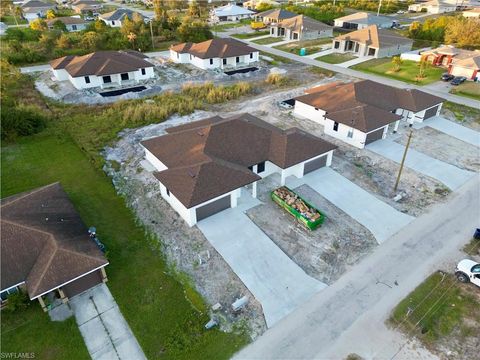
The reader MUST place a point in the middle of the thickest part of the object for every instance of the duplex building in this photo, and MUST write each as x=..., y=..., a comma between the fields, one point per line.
x=103, y=69
x=361, y=20
x=359, y=113
x=434, y=6
x=46, y=250
x=372, y=41
x=219, y=53
x=231, y=12
x=459, y=62
x=72, y=23
x=35, y=9
x=115, y=18
x=202, y=167
x=300, y=27
x=87, y=6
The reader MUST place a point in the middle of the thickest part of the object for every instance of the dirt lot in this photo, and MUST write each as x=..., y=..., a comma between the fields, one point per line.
x=325, y=253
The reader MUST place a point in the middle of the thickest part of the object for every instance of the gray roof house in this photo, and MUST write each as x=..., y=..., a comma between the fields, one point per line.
x=115, y=18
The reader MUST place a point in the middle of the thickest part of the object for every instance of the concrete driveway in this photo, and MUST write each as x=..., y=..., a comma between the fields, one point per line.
x=381, y=219
x=276, y=281
x=453, y=129
x=356, y=61
x=103, y=327
x=451, y=176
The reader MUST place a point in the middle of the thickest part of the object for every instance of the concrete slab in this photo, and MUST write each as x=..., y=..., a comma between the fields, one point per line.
x=60, y=312
x=382, y=220
x=453, y=129
x=451, y=176
x=276, y=281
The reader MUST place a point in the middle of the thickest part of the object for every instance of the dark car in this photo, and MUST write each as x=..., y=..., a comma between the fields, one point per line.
x=447, y=77
x=457, y=80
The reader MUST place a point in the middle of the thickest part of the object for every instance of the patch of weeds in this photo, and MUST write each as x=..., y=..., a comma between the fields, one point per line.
x=241, y=327
x=321, y=71
x=115, y=165
x=473, y=247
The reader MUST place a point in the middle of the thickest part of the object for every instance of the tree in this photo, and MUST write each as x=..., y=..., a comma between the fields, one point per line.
x=39, y=25
x=263, y=6
x=464, y=33
x=90, y=41
x=131, y=38
x=51, y=14
x=397, y=62
x=63, y=42
x=59, y=25
x=194, y=10
x=422, y=67
x=193, y=30
x=160, y=10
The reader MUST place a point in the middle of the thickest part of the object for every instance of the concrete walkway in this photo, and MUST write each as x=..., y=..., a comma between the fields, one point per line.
x=276, y=281
x=356, y=61
x=259, y=37
x=451, y=176
x=280, y=43
x=453, y=129
x=320, y=53
x=382, y=220
x=103, y=327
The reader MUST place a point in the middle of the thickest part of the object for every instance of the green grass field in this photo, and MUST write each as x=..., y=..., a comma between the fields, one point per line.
x=469, y=89
x=408, y=71
x=311, y=46
x=251, y=35
x=153, y=302
x=335, y=58
x=268, y=40
x=10, y=20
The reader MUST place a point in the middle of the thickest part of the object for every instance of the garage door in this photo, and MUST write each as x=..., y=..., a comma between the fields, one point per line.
x=461, y=71
x=84, y=283
x=430, y=112
x=374, y=135
x=213, y=207
x=315, y=164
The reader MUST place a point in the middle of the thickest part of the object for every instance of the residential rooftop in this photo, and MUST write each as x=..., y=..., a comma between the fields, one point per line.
x=302, y=23
x=365, y=18
x=375, y=37
x=214, y=48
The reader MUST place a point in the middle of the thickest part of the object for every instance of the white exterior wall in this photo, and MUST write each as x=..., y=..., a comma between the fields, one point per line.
x=309, y=112
x=156, y=163
x=60, y=74
x=393, y=50
x=179, y=58
x=112, y=23
x=217, y=62
x=80, y=27
x=357, y=139
x=411, y=117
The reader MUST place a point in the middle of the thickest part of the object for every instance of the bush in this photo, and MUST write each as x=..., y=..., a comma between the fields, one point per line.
x=17, y=301
x=21, y=120
x=277, y=80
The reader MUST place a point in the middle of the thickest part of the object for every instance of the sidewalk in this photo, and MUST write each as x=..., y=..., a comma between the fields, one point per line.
x=356, y=61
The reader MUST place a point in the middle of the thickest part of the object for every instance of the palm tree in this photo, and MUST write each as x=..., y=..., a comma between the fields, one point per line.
x=131, y=37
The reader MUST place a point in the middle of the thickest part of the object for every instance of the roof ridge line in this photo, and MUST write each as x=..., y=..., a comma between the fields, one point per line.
x=35, y=191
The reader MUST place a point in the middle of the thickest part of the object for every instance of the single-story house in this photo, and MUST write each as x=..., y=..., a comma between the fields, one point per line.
x=230, y=12
x=359, y=113
x=361, y=20
x=203, y=166
x=274, y=16
x=86, y=6
x=372, y=41
x=300, y=27
x=219, y=53
x=434, y=6
x=459, y=62
x=103, y=69
x=3, y=28
x=254, y=4
x=72, y=23
x=116, y=17
x=47, y=250
x=35, y=9
x=472, y=13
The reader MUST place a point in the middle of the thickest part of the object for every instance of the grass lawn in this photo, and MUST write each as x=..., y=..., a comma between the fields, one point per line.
x=276, y=59
x=469, y=89
x=10, y=20
x=22, y=333
x=311, y=46
x=251, y=35
x=268, y=40
x=231, y=25
x=461, y=112
x=407, y=73
x=335, y=58
x=153, y=302
x=440, y=307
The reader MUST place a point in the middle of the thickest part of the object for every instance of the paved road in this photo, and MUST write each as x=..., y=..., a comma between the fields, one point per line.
x=407, y=258
x=453, y=129
x=103, y=327
x=448, y=174
x=355, y=73
x=275, y=280
x=35, y=68
x=356, y=202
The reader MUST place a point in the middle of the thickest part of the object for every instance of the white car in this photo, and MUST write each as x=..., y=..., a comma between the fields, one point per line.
x=468, y=271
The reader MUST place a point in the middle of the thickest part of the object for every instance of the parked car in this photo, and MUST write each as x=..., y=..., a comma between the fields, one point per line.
x=457, y=80
x=468, y=271
x=447, y=77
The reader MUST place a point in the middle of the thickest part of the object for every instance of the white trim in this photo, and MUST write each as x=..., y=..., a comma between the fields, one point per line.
x=11, y=287
x=68, y=282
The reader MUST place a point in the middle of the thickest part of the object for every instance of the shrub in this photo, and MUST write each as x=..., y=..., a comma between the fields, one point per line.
x=277, y=80
x=21, y=120
x=17, y=301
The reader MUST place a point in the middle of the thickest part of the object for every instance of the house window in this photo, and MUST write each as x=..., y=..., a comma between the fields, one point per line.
x=350, y=133
x=316, y=109
x=87, y=79
x=251, y=55
x=335, y=126
x=224, y=61
x=143, y=72
x=261, y=167
x=211, y=61
x=191, y=57
x=124, y=76
x=74, y=27
x=113, y=22
x=168, y=192
x=371, y=52
x=4, y=294
x=178, y=56
x=237, y=59
x=336, y=45
x=107, y=79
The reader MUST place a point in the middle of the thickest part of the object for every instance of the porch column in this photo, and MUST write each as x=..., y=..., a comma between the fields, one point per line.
x=395, y=128
x=282, y=178
x=42, y=304
x=254, y=189
x=62, y=296
x=104, y=275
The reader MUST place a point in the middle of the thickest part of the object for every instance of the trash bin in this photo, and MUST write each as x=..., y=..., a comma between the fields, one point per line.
x=303, y=52
x=476, y=234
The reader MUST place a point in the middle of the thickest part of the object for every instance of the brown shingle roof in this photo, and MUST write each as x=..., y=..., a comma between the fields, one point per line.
x=101, y=63
x=375, y=37
x=208, y=158
x=367, y=103
x=302, y=23
x=44, y=242
x=67, y=20
x=277, y=14
x=215, y=48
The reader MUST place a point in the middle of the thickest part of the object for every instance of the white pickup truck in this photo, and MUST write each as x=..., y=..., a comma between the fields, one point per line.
x=468, y=271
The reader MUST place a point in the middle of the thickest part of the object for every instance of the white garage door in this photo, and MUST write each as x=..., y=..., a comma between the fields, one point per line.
x=459, y=71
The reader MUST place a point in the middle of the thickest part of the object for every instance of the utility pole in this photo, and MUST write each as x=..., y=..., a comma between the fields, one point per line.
x=379, y=6
x=403, y=161
x=151, y=34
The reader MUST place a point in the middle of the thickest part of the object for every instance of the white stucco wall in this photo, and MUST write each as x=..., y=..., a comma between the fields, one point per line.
x=309, y=112
x=217, y=63
x=411, y=117
x=156, y=163
x=112, y=23
x=393, y=50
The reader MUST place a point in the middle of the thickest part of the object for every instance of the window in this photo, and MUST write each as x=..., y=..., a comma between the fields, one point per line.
x=143, y=72
x=335, y=126
x=107, y=79
x=191, y=57
x=4, y=294
x=211, y=61
x=251, y=55
x=224, y=61
x=87, y=80
x=350, y=133
x=124, y=76
x=261, y=167
x=237, y=59
x=336, y=45
x=168, y=192
x=316, y=109
x=476, y=269
x=113, y=22
x=178, y=56
x=74, y=27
